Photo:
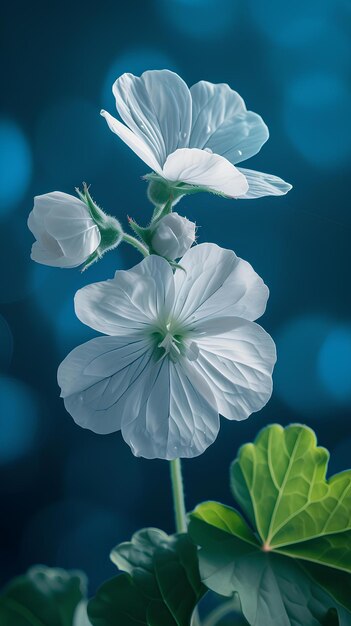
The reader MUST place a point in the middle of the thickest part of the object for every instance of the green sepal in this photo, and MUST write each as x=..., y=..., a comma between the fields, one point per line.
x=176, y=266
x=166, y=190
x=43, y=596
x=95, y=256
x=111, y=231
x=159, y=190
x=144, y=233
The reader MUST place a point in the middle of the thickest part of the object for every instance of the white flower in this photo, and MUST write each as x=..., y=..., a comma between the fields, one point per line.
x=173, y=236
x=180, y=349
x=193, y=136
x=65, y=232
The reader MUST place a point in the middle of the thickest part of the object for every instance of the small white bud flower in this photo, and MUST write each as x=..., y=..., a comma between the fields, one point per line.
x=65, y=232
x=173, y=236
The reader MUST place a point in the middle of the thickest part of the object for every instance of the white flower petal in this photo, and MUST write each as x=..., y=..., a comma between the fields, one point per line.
x=96, y=379
x=48, y=252
x=157, y=108
x=173, y=413
x=261, y=184
x=44, y=203
x=240, y=138
x=81, y=246
x=222, y=123
x=65, y=221
x=202, y=168
x=65, y=232
x=70, y=224
x=54, y=202
x=129, y=301
x=216, y=283
x=238, y=365
x=165, y=410
x=35, y=226
x=212, y=105
x=137, y=144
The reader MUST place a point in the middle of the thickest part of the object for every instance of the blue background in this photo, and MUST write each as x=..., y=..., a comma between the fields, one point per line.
x=68, y=495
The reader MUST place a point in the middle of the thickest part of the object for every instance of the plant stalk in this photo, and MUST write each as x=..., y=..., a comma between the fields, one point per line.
x=181, y=521
x=136, y=243
x=178, y=496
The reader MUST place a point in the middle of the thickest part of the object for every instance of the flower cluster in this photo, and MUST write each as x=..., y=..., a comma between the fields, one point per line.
x=179, y=343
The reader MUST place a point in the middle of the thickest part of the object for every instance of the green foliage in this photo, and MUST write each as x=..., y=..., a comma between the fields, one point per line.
x=160, y=587
x=42, y=597
x=289, y=565
x=280, y=483
x=292, y=566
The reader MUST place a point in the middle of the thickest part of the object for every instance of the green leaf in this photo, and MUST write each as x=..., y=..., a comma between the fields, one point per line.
x=280, y=483
x=273, y=589
x=160, y=587
x=292, y=566
x=42, y=597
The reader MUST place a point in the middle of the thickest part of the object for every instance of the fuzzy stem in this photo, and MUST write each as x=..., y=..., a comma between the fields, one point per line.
x=136, y=243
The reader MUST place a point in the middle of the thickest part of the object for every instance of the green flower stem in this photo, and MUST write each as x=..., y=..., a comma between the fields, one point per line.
x=161, y=211
x=168, y=206
x=178, y=496
x=180, y=511
x=136, y=243
x=221, y=611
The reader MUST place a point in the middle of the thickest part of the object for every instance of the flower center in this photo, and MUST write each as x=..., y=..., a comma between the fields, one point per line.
x=174, y=342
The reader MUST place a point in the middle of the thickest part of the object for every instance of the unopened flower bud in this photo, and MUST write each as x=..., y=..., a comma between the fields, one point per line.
x=158, y=191
x=173, y=236
x=66, y=235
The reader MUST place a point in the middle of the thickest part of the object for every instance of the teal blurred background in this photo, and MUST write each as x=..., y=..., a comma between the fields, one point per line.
x=68, y=495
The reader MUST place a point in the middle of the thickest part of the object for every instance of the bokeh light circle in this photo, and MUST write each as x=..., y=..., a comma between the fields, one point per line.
x=292, y=23
x=317, y=118
x=334, y=363
x=15, y=165
x=203, y=19
x=18, y=419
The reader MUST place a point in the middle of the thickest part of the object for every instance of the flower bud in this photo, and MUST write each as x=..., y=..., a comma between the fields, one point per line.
x=158, y=191
x=66, y=235
x=173, y=236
